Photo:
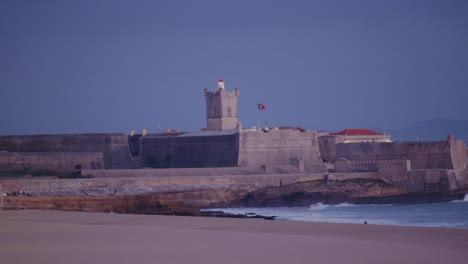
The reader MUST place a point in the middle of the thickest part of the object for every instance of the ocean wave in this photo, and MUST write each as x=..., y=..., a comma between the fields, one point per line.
x=318, y=206
x=465, y=199
x=321, y=206
x=346, y=205
x=372, y=204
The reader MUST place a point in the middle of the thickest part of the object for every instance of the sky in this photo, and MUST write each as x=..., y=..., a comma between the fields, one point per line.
x=114, y=66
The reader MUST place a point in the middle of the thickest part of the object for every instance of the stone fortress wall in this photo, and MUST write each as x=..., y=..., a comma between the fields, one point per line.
x=267, y=154
x=61, y=161
x=192, y=150
x=225, y=149
x=412, y=165
x=423, y=155
x=114, y=149
x=277, y=147
x=154, y=182
x=458, y=154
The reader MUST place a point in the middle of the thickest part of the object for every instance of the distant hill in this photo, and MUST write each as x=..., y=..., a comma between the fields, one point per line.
x=432, y=129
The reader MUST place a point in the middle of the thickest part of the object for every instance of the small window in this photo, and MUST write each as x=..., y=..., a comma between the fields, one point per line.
x=229, y=111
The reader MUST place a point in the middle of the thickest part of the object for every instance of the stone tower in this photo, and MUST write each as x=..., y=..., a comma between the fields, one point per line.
x=221, y=108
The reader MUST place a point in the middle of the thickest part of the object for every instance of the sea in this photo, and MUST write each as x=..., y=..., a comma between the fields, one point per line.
x=447, y=214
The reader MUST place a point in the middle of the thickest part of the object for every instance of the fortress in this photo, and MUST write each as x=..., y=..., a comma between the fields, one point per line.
x=225, y=148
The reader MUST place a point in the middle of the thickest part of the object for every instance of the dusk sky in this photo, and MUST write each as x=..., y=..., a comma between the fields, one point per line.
x=115, y=66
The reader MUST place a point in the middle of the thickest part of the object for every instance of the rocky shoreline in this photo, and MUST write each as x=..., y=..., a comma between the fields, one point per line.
x=192, y=202
x=361, y=191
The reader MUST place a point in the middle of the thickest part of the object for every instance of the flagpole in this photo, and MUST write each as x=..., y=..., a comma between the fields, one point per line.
x=258, y=119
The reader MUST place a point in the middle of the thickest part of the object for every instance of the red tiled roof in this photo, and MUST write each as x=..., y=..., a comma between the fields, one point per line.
x=357, y=132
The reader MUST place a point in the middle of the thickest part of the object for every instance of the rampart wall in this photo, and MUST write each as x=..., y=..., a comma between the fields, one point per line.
x=458, y=154
x=401, y=174
x=173, y=172
x=461, y=177
x=423, y=155
x=344, y=165
x=114, y=147
x=191, y=151
x=47, y=160
x=277, y=147
x=151, y=180
x=394, y=172
x=431, y=180
x=160, y=183
x=196, y=173
x=429, y=155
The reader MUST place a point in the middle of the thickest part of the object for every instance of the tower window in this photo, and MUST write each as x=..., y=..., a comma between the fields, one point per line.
x=215, y=112
x=229, y=111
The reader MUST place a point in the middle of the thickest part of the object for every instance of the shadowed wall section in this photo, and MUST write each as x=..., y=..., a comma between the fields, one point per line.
x=197, y=150
x=50, y=160
x=113, y=147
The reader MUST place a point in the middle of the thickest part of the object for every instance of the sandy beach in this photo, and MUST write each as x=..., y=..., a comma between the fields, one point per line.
x=31, y=236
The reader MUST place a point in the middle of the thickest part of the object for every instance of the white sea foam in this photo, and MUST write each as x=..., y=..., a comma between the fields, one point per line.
x=346, y=205
x=373, y=204
x=432, y=214
x=318, y=206
x=465, y=199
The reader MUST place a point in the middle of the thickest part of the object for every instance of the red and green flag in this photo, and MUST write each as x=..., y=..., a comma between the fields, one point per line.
x=261, y=106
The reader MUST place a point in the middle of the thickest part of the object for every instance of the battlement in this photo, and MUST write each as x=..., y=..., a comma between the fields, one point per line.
x=222, y=93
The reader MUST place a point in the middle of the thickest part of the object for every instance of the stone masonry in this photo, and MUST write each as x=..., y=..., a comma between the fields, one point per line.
x=221, y=108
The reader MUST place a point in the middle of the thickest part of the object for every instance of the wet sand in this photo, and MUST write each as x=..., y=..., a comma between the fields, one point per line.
x=31, y=236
